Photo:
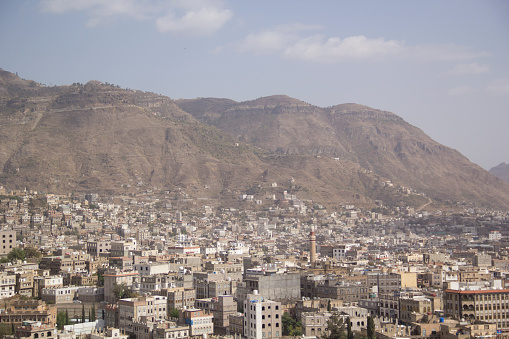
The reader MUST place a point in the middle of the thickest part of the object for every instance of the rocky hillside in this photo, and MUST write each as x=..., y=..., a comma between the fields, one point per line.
x=501, y=171
x=378, y=141
x=98, y=137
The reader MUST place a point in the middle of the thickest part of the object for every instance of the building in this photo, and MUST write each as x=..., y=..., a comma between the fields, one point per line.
x=36, y=329
x=116, y=277
x=199, y=323
x=271, y=286
x=7, y=241
x=29, y=310
x=262, y=317
x=488, y=305
x=7, y=284
x=314, y=324
x=221, y=308
x=131, y=310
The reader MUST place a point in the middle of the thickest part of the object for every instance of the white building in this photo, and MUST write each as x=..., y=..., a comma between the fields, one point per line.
x=262, y=318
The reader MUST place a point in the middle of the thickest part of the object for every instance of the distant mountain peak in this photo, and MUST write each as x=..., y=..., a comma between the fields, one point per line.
x=276, y=100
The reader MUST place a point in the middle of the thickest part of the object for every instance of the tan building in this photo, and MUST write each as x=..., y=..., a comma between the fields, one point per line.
x=29, y=310
x=116, y=277
x=314, y=324
x=180, y=297
x=7, y=241
x=36, y=329
x=25, y=283
x=414, y=308
x=221, y=308
x=487, y=305
x=131, y=310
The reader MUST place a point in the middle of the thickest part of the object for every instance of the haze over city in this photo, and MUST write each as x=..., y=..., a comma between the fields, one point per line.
x=442, y=66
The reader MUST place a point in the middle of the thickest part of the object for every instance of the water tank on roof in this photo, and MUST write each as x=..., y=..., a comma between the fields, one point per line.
x=441, y=319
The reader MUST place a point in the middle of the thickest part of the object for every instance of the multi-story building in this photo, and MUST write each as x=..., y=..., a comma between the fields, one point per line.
x=115, y=277
x=271, y=286
x=314, y=323
x=180, y=297
x=346, y=291
x=221, y=308
x=97, y=247
x=7, y=284
x=122, y=248
x=7, y=241
x=413, y=308
x=490, y=305
x=36, y=329
x=29, y=310
x=59, y=295
x=132, y=309
x=25, y=283
x=109, y=333
x=262, y=317
x=386, y=282
x=48, y=281
x=199, y=323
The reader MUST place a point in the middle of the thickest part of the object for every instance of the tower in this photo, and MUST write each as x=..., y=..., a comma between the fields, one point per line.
x=312, y=248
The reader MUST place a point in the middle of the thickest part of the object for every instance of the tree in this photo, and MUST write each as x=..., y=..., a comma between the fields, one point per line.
x=349, y=328
x=61, y=320
x=16, y=254
x=329, y=306
x=82, y=313
x=371, y=328
x=32, y=252
x=92, y=313
x=335, y=328
x=121, y=291
x=67, y=322
x=291, y=327
x=174, y=313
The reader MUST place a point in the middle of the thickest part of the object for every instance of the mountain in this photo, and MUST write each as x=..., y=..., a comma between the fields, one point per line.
x=378, y=141
x=99, y=137
x=501, y=171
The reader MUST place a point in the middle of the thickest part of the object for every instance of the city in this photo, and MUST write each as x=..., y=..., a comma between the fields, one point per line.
x=146, y=266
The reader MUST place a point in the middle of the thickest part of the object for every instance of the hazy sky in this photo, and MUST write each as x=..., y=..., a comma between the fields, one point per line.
x=443, y=66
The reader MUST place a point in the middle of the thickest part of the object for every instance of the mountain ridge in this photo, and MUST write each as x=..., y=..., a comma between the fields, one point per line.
x=98, y=137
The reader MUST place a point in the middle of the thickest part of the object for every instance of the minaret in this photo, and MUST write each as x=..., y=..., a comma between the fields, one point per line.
x=312, y=248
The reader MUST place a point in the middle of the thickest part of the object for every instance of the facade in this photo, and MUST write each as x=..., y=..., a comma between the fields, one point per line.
x=116, y=277
x=262, y=317
x=200, y=324
x=314, y=323
x=131, y=310
x=7, y=241
x=274, y=287
x=487, y=305
x=221, y=308
x=97, y=247
x=36, y=329
x=7, y=284
x=29, y=310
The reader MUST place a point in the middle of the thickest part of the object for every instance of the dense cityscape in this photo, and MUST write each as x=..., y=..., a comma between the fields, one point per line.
x=159, y=264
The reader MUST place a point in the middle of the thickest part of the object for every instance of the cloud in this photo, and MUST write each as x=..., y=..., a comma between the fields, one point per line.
x=498, y=87
x=203, y=21
x=292, y=42
x=274, y=40
x=333, y=49
x=99, y=10
x=460, y=90
x=190, y=17
x=469, y=69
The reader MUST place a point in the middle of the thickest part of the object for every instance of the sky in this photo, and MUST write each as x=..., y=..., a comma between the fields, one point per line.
x=443, y=66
